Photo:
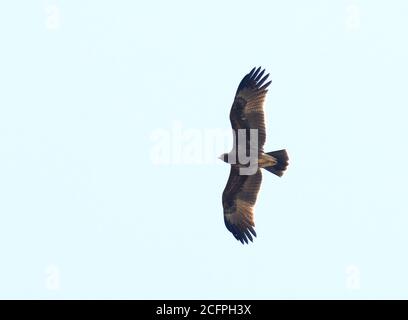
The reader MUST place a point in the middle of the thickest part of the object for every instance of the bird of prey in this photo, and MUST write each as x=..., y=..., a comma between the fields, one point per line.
x=248, y=126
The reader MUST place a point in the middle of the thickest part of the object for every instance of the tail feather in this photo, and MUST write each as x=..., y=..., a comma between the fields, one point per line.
x=282, y=162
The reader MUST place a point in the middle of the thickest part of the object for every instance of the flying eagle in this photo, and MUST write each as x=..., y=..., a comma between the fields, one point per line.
x=240, y=193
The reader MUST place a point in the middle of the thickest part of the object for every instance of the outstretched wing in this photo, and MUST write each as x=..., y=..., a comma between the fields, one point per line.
x=247, y=110
x=238, y=200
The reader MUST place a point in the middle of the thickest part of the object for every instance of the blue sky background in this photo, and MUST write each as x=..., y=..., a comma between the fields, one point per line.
x=85, y=213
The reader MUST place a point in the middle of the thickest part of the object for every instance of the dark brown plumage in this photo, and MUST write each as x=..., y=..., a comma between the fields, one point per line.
x=241, y=191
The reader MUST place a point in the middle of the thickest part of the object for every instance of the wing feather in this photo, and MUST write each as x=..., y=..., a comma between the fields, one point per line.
x=238, y=200
x=247, y=110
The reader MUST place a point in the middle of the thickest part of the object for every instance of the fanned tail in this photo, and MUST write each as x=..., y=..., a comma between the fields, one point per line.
x=282, y=159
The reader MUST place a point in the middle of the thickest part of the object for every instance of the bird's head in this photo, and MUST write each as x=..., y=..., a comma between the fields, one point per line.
x=224, y=157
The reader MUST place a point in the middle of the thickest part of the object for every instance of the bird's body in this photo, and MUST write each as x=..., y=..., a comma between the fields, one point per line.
x=247, y=156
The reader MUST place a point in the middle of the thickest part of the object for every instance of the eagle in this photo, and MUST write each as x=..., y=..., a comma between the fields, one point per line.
x=248, y=126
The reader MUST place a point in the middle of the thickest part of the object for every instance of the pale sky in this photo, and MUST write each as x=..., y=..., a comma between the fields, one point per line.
x=85, y=212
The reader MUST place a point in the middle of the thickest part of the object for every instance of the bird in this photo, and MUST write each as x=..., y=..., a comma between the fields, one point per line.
x=242, y=188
